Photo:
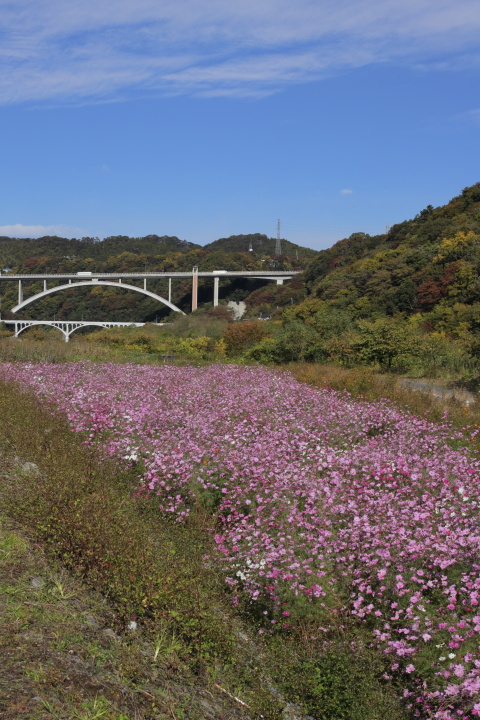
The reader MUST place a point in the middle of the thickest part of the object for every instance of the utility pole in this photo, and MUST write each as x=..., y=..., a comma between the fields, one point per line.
x=278, y=244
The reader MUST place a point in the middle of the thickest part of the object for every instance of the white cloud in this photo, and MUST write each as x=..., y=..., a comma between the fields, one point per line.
x=53, y=50
x=346, y=191
x=35, y=231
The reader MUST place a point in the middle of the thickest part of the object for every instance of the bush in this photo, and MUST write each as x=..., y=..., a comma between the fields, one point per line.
x=266, y=351
x=241, y=336
x=384, y=341
x=295, y=340
x=199, y=324
x=221, y=312
x=343, y=683
x=201, y=348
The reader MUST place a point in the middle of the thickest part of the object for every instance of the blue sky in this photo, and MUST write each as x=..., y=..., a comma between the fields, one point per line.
x=208, y=118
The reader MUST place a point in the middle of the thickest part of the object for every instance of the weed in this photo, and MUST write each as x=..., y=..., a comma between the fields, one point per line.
x=49, y=707
x=166, y=644
x=61, y=588
x=94, y=709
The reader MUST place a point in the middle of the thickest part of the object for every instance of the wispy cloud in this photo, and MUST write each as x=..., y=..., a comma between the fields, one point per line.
x=97, y=49
x=35, y=231
x=346, y=191
x=472, y=115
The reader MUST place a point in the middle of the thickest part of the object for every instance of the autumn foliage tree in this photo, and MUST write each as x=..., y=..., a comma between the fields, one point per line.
x=241, y=336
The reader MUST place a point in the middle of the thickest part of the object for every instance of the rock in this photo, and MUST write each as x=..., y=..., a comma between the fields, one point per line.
x=30, y=468
x=92, y=622
x=109, y=633
x=37, y=582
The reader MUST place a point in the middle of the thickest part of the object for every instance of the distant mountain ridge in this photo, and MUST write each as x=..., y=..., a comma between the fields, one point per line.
x=426, y=268
x=15, y=251
x=259, y=243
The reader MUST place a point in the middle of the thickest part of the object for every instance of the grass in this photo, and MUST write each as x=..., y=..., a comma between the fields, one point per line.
x=62, y=659
x=188, y=338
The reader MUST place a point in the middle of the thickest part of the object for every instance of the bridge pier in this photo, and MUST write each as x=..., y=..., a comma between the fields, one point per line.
x=20, y=292
x=216, y=282
x=194, y=288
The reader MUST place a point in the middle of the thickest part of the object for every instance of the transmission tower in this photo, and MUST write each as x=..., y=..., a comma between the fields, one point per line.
x=278, y=244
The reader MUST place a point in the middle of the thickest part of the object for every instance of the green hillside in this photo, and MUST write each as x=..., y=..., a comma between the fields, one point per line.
x=429, y=263
x=15, y=251
x=408, y=299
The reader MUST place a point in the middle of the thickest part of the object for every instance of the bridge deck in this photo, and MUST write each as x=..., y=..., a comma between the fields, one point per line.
x=254, y=274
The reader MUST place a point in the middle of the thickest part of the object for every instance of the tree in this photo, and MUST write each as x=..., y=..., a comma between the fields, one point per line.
x=461, y=247
x=384, y=341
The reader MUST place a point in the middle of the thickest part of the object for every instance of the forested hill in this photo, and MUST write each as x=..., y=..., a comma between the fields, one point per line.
x=14, y=251
x=408, y=299
x=260, y=244
x=434, y=258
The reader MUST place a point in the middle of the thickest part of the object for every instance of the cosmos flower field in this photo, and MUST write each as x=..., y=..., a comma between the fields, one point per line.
x=321, y=506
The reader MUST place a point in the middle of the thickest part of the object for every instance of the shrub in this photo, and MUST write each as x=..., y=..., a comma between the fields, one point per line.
x=221, y=312
x=197, y=348
x=239, y=337
x=266, y=351
x=384, y=341
x=294, y=341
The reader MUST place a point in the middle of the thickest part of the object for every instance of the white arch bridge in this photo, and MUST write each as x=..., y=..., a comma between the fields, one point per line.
x=66, y=327
x=89, y=279
x=126, y=286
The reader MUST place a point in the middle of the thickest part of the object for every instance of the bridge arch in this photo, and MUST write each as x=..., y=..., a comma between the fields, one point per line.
x=89, y=323
x=66, y=327
x=29, y=324
x=93, y=283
